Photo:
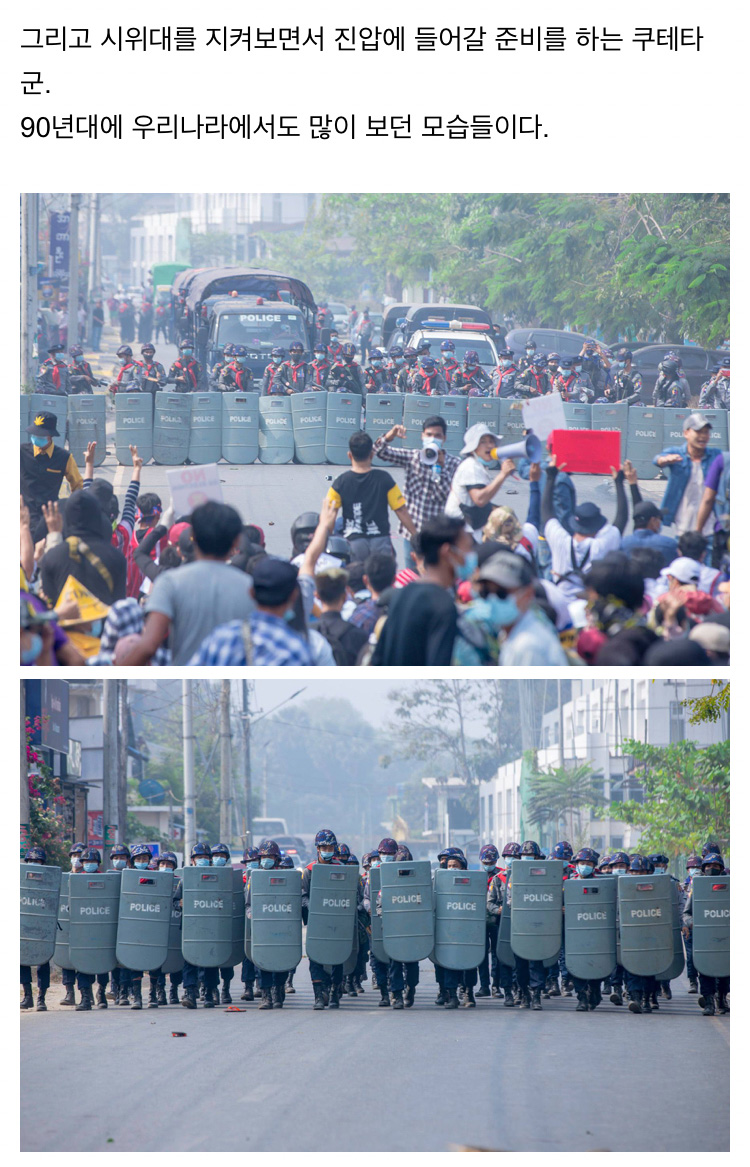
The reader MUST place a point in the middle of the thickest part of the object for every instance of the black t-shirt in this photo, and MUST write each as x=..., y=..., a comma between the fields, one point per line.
x=420, y=629
x=364, y=500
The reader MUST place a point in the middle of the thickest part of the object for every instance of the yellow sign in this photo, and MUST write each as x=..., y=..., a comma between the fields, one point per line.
x=77, y=605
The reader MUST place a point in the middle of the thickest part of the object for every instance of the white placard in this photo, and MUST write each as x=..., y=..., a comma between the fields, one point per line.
x=192, y=485
x=544, y=414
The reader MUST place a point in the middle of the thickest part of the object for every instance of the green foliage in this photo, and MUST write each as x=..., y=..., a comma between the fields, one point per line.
x=709, y=708
x=211, y=249
x=686, y=796
x=46, y=823
x=559, y=794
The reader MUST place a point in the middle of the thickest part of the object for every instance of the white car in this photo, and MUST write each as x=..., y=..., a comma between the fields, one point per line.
x=465, y=338
x=340, y=314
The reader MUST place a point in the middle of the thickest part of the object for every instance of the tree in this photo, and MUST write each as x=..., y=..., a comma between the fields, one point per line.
x=709, y=708
x=46, y=803
x=559, y=794
x=212, y=248
x=685, y=796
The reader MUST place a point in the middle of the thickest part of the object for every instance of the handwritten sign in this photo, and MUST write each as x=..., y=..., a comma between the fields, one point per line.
x=191, y=486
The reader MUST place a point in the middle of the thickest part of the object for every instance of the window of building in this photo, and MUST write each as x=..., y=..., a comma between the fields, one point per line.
x=616, y=842
x=508, y=814
x=676, y=722
x=276, y=212
x=489, y=823
x=597, y=842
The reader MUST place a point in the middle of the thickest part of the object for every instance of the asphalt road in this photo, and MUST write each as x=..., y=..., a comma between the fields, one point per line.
x=273, y=496
x=365, y=1078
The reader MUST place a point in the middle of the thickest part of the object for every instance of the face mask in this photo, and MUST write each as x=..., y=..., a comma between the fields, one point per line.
x=39, y=440
x=170, y=869
x=267, y=861
x=119, y=864
x=619, y=870
x=187, y=352
x=578, y=368
x=75, y=863
x=487, y=865
x=277, y=360
x=466, y=569
x=433, y=442
x=506, y=364
x=219, y=860
x=123, y=360
x=530, y=352
x=78, y=360
x=503, y=612
x=141, y=864
x=507, y=860
x=398, y=361
x=319, y=356
x=375, y=863
x=387, y=858
x=241, y=360
x=254, y=863
x=96, y=628
x=584, y=868
x=30, y=654
x=203, y=862
x=326, y=856
x=377, y=364
x=660, y=871
x=89, y=867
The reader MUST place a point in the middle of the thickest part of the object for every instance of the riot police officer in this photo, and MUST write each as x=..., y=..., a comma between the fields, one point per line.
x=496, y=899
x=404, y=975
x=236, y=377
x=200, y=856
x=471, y=380
x=54, y=375
x=588, y=991
x=91, y=862
x=346, y=376
x=221, y=857
x=714, y=990
x=488, y=857
x=562, y=851
x=82, y=379
x=386, y=973
x=529, y=973
x=641, y=989
x=119, y=858
x=35, y=855
x=693, y=868
x=272, y=384
x=660, y=863
x=152, y=375
x=327, y=988
x=671, y=389
x=249, y=973
x=318, y=369
x=128, y=377
x=427, y=379
x=376, y=374
x=619, y=865
x=167, y=861
x=394, y=365
x=628, y=382
x=131, y=980
x=218, y=369
x=534, y=380
x=294, y=371
x=524, y=362
x=714, y=392
x=186, y=374
x=572, y=383
x=504, y=379
x=272, y=984
x=407, y=367
x=453, y=978
x=449, y=366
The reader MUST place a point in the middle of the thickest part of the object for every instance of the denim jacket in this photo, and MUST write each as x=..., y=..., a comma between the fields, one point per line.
x=679, y=477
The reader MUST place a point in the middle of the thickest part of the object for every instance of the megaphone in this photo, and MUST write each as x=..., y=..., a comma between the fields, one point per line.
x=529, y=447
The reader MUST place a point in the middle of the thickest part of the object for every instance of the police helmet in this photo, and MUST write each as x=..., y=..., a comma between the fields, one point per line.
x=348, y=352
x=296, y=347
x=553, y=358
x=201, y=851
x=269, y=849
x=586, y=855
x=228, y=350
x=605, y=861
x=639, y=865
x=395, y=350
x=186, y=344
x=124, y=351
x=344, y=851
x=387, y=847
x=410, y=353
x=531, y=848
x=724, y=362
x=278, y=352
x=239, y=350
x=460, y=858
x=444, y=853
x=75, y=350
x=35, y=855
x=77, y=849
x=339, y=547
x=659, y=859
x=352, y=861
x=221, y=849
x=530, y=342
x=447, y=346
x=506, y=353
x=147, y=348
x=303, y=529
x=138, y=850
x=625, y=354
x=319, y=347
x=120, y=851
x=711, y=845
x=471, y=357
x=619, y=857
x=423, y=346
x=168, y=857
x=562, y=850
x=568, y=363
x=250, y=854
x=91, y=856
x=488, y=851
x=377, y=354
x=511, y=850
x=694, y=861
x=712, y=857
x=428, y=363
x=539, y=362
x=325, y=838
x=286, y=861
x=403, y=854
x=670, y=366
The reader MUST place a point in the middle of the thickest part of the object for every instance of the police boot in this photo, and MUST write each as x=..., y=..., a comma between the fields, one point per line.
x=84, y=1005
x=461, y=991
x=360, y=990
x=137, y=1002
x=536, y=999
x=554, y=987
x=173, y=998
x=451, y=1001
x=545, y=989
x=646, y=1003
x=723, y=1002
x=615, y=996
x=374, y=982
x=289, y=986
x=693, y=986
x=496, y=992
x=101, y=997
x=70, y=996
x=483, y=991
x=41, y=1004
x=188, y=999
x=161, y=996
x=567, y=989
x=509, y=1001
x=152, y=1001
x=214, y=995
x=277, y=998
x=123, y=998
x=398, y=999
x=635, y=1001
x=468, y=1001
x=335, y=997
x=226, y=996
x=248, y=994
x=201, y=991
x=319, y=1002
x=352, y=987
x=441, y=996
x=27, y=1001
x=409, y=996
x=524, y=999
x=595, y=995
x=652, y=1001
x=666, y=991
x=709, y=1008
x=385, y=1001
x=209, y=1002
x=267, y=1002
x=583, y=1004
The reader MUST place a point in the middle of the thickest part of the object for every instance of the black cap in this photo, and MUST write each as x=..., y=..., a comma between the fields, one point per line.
x=643, y=512
x=274, y=579
x=44, y=424
x=56, y=348
x=587, y=519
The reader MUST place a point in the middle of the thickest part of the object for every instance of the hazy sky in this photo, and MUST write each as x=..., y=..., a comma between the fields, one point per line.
x=369, y=697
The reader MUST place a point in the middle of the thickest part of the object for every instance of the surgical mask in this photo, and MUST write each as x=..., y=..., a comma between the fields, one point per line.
x=289, y=615
x=39, y=440
x=78, y=360
x=377, y=364
x=578, y=369
x=375, y=863
x=530, y=352
x=447, y=356
x=326, y=856
x=30, y=654
x=488, y=865
x=387, y=858
x=660, y=871
x=398, y=361
x=254, y=863
x=219, y=860
x=506, y=364
x=267, y=861
x=241, y=360
x=439, y=442
x=619, y=870
x=203, y=862
x=119, y=864
x=75, y=863
x=466, y=569
x=584, y=868
x=96, y=628
x=187, y=352
x=320, y=354
x=141, y=864
x=276, y=360
x=123, y=360
x=503, y=612
x=170, y=869
x=89, y=867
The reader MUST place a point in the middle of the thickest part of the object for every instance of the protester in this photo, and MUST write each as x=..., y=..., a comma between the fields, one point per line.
x=478, y=479
x=365, y=496
x=688, y=466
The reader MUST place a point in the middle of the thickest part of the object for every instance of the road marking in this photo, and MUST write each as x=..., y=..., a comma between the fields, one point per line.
x=119, y=477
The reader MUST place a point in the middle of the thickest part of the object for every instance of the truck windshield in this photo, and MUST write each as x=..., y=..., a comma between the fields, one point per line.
x=463, y=342
x=261, y=330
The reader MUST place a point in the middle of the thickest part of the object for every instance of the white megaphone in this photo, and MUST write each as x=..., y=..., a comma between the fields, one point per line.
x=529, y=447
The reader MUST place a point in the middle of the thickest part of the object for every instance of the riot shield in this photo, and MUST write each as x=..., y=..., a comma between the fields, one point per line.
x=276, y=903
x=536, y=918
x=504, y=951
x=351, y=963
x=205, y=428
x=407, y=921
x=145, y=913
x=309, y=428
x=460, y=911
x=343, y=417
x=248, y=919
x=678, y=953
x=332, y=912
x=239, y=427
x=376, y=921
x=174, y=961
x=645, y=909
x=207, y=916
x=590, y=927
x=238, y=918
x=40, y=899
x=275, y=437
x=134, y=426
x=94, y=906
x=711, y=925
x=171, y=433
x=87, y=422
x=61, y=955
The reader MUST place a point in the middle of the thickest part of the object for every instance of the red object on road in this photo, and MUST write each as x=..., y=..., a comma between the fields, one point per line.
x=586, y=451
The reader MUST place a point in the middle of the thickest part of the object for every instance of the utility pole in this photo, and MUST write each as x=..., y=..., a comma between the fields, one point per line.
x=188, y=762
x=93, y=233
x=110, y=765
x=30, y=255
x=75, y=203
x=24, y=807
x=225, y=735
x=560, y=723
x=122, y=767
x=246, y=760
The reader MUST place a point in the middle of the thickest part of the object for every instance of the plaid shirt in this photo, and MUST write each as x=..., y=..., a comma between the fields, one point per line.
x=125, y=618
x=274, y=643
x=425, y=492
